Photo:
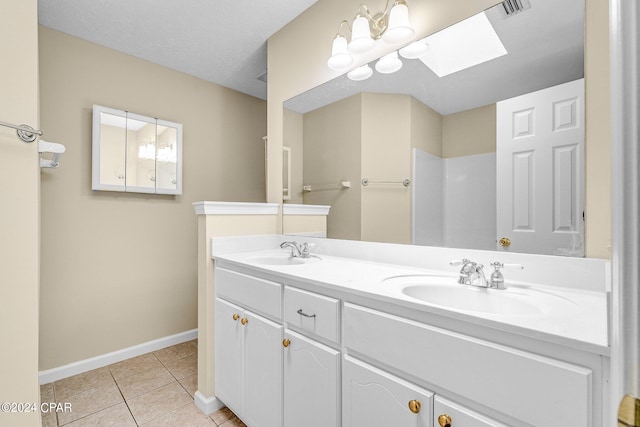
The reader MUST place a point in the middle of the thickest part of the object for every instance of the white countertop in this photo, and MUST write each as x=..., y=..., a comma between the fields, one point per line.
x=584, y=328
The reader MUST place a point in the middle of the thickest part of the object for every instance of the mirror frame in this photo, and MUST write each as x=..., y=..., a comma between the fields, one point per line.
x=97, y=165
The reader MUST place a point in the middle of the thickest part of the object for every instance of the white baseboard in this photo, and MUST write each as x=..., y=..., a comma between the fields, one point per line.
x=207, y=405
x=75, y=368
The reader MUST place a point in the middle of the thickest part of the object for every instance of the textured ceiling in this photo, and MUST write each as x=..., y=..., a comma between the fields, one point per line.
x=220, y=41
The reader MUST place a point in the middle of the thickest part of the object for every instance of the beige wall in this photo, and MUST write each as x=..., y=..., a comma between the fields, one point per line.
x=469, y=132
x=598, y=131
x=297, y=63
x=426, y=128
x=386, y=156
x=120, y=269
x=332, y=153
x=20, y=211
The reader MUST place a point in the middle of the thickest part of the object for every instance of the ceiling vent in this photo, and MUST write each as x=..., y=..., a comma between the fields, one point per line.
x=262, y=76
x=513, y=7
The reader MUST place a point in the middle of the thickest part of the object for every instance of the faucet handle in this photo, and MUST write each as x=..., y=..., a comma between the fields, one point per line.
x=497, y=279
x=455, y=263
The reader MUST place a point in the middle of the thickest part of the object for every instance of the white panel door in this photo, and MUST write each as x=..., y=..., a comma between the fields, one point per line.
x=374, y=398
x=262, y=372
x=311, y=391
x=540, y=171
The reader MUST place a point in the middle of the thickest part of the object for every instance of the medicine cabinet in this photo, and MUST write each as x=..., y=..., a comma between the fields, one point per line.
x=135, y=153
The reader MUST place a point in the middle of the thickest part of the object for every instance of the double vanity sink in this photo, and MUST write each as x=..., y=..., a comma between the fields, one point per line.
x=354, y=335
x=437, y=289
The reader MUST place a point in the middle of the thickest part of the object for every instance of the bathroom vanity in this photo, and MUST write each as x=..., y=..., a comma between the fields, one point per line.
x=345, y=339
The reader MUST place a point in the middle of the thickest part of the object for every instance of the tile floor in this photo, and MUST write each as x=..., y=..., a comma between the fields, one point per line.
x=152, y=390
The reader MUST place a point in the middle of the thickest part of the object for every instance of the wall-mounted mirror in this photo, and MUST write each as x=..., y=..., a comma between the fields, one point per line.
x=135, y=153
x=383, y=127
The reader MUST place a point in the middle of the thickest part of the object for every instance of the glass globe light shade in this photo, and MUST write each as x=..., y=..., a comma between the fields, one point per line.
x=399, y=29
x=414, y=50
x=389, y=63
x=340, y=57
x=361, y=40
x=360, y=73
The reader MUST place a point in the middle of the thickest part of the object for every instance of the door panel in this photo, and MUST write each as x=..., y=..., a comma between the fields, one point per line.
x=263, y=372
x=228, y=354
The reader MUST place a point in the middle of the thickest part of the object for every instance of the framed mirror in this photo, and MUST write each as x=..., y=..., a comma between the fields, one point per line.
x=135, y=153
x=368, y=129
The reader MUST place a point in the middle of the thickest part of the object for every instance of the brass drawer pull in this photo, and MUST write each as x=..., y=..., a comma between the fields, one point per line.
x=302, y=313
x=244, y=320
x=236, y=316
x=414, y=406
x=444, y=420
x=286, y=342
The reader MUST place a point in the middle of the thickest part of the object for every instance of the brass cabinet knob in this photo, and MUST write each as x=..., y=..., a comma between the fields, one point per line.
x=414, y=406
x=444, y=420
x=505, y=242
x=244, y=320
x=236, y=316
x=286, y=342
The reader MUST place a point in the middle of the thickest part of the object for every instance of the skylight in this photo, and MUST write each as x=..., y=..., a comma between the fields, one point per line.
x=463, y=45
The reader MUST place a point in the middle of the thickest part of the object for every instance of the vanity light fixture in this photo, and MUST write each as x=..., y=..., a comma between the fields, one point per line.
x=360, y=73
x=391, y=25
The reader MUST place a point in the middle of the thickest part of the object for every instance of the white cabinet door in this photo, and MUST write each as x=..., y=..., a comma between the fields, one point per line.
x=459, y=415
x=262, y=372
x=248, y=365
x=311, y=372
x=372, y=398
x=540, y=170
x=228, y=354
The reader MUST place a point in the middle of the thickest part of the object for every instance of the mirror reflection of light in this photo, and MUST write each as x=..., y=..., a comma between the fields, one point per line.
x=165, y=154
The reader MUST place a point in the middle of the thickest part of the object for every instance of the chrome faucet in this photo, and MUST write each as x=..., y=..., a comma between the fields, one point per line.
x=472, y=274
x=297, y=250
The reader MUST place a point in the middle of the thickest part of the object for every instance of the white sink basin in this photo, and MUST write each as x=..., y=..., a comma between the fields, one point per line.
x=443, y=291
x=283, y=259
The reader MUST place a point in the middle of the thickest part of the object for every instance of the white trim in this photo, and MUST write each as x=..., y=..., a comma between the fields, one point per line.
x=316, y=234
x=235, y=208
x=294, y=209
x=207, y=405
x=75, y=368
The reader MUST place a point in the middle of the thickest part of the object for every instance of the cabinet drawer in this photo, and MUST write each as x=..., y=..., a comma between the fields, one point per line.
x=460, y=416
x=258, y=295
x=511, y=381
x=311, y=312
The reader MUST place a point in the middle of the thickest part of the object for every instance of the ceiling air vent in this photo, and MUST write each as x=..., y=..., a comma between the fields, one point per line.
x=513, y=7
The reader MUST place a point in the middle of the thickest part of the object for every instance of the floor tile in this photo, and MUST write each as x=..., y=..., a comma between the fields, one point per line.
x=66, y=388
x=184, y=367
x=46, y=393
x=138, y=364
x=143, y=382
x=116, y=416
x=49, y=419
x=233, y=422
x=222, y=415
x=158, y=402
x=187, y=415
x=176, y=352
x=190, y=384
x=89, y=402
